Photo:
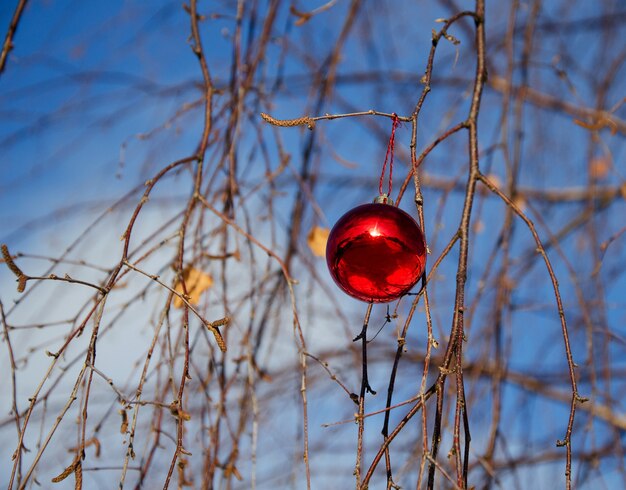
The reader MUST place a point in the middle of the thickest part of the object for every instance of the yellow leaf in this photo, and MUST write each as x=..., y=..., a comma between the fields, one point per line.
x=196, y=282
x=317, y=239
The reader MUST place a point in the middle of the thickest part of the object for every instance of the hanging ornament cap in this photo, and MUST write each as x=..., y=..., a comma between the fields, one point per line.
x=376, y=252
x=383, y=199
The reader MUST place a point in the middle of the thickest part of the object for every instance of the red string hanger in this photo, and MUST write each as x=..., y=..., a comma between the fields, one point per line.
x=389, y=157
x=376, y=252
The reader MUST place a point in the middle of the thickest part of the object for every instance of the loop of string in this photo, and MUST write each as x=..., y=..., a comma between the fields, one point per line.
x=389, y=157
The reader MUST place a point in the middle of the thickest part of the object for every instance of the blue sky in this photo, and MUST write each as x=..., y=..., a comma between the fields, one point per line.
x=98, y=96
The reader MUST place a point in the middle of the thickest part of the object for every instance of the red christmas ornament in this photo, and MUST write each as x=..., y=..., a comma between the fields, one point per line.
x=376, y=252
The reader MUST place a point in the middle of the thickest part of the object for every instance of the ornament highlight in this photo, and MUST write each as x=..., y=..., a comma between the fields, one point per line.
x=376, y=252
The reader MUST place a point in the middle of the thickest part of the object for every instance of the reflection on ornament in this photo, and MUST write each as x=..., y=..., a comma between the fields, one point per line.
x=376, y=252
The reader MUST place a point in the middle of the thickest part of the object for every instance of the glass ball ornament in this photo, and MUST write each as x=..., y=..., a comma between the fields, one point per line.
x=376, y=252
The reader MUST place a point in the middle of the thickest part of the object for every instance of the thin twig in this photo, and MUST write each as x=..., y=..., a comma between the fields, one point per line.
x=564, y=330
x=8, y=40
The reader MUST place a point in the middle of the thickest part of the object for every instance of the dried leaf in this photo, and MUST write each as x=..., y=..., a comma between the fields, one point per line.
x=599, y=167
x=494, y=180
x=317, y=239
x=124, y=426
x=196, y=282
x=520, y=202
